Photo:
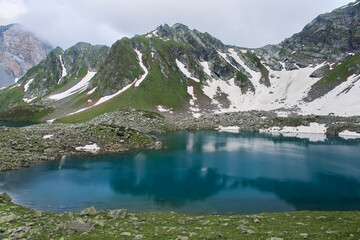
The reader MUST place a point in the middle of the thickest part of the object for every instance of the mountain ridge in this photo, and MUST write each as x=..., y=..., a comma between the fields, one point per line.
x=183, y=73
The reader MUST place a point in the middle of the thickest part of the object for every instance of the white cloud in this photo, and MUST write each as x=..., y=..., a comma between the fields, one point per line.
x=249, y=23
x=10, y=10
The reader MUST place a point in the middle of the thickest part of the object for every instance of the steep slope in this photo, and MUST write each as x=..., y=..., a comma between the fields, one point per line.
x=58, y=78
x=19, y=51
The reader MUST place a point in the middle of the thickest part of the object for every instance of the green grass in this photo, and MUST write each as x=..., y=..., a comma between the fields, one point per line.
x=25, y=112
x=10, y=97
x=261, y=67
x=292, y=225
x=156, y=89
x=245, y=83
x=335, y=77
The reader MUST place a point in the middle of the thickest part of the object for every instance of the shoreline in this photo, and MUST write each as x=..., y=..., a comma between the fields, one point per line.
x=124, y=131
x=18, y=222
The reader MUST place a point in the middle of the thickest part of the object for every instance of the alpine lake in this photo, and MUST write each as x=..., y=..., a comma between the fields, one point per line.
x=200, y=173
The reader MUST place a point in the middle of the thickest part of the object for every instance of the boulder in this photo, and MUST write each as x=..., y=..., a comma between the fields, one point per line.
x=4, y=197
x=119, y=213
x=88, y=211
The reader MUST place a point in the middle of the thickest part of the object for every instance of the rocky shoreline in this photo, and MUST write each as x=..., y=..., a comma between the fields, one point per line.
x=26, y=146
x=253, y=121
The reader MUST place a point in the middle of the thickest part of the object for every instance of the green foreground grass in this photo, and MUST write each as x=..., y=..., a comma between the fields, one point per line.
x=20, y=222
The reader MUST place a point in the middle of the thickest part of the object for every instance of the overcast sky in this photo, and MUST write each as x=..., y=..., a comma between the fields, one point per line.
x=246, y=23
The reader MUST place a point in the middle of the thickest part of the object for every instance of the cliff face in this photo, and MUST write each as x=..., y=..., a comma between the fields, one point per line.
x=19, y=51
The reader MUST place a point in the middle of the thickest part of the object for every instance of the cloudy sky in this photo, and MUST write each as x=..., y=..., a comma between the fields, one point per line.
x=247, y=23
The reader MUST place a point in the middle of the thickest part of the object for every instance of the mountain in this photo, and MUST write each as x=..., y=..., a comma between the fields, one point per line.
x=19, y=51
x=185, y=73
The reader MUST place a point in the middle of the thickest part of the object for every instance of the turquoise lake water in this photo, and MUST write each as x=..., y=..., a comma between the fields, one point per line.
x=200, y=173
x=16, y=123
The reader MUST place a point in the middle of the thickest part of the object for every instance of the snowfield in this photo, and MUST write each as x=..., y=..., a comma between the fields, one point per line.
x=287, y=91
x=79, y=87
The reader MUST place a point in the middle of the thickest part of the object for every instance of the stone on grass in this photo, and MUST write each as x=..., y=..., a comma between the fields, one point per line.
x=88, y=211
x=127, y=234
x=80, y=226
x=4, y=197
x=119, y=213
x=9, y=218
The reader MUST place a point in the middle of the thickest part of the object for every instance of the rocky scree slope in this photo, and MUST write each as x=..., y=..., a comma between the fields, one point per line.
x=182, y=73
x=19, y=51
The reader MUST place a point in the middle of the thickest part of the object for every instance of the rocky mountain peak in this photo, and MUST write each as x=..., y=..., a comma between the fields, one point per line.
x=19, y=51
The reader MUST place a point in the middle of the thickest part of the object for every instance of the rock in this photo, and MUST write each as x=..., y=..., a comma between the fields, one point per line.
x=80, y=226
x=275, y=238
x=9, y=218
x=4, y=197
x=181, y=221
x=181, y=238
x=158, y=145
x=119, y=213
x=321, y=72
x=88, y=211
x=241, y=227
x=139, y=237
x=127, y=234
x=304, y=235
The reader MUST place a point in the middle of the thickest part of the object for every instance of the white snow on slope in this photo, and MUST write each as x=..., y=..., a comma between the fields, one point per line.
x=349, y=135
x=341, y=100
x=107, y=98
x=206, y=68
x=16, y=80
x=193, y=108
x=91, y=91
x=15, y=86
x=142, y=78
x=315, y=132
x=184, y=70
x=26, y=86
x=79, y=87
x=92, y=148
x=48, y=137
x=28, y=100
x=163, y=109
x=231, y=129
x=64, y=73
x=287, y=90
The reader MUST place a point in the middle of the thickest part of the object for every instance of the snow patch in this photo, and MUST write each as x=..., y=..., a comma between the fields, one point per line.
x=315, y=132
x=184, y=70
x=91, y=91
x=206, y=68
x=193, y=108
x=16, y=80
x=28, y=100
x=64, y=73
x=79, y=87
x=343, y=100
x=26, y=86
x=347, y=135
x=163, y=109
x=232, y=129
x=51, y=120
x=142, y=78
x=48, y=137
x=15, y=86
x=93, y=148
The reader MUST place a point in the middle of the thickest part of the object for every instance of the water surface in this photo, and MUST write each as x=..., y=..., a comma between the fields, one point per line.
x=200, y=173
x=16, y=123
